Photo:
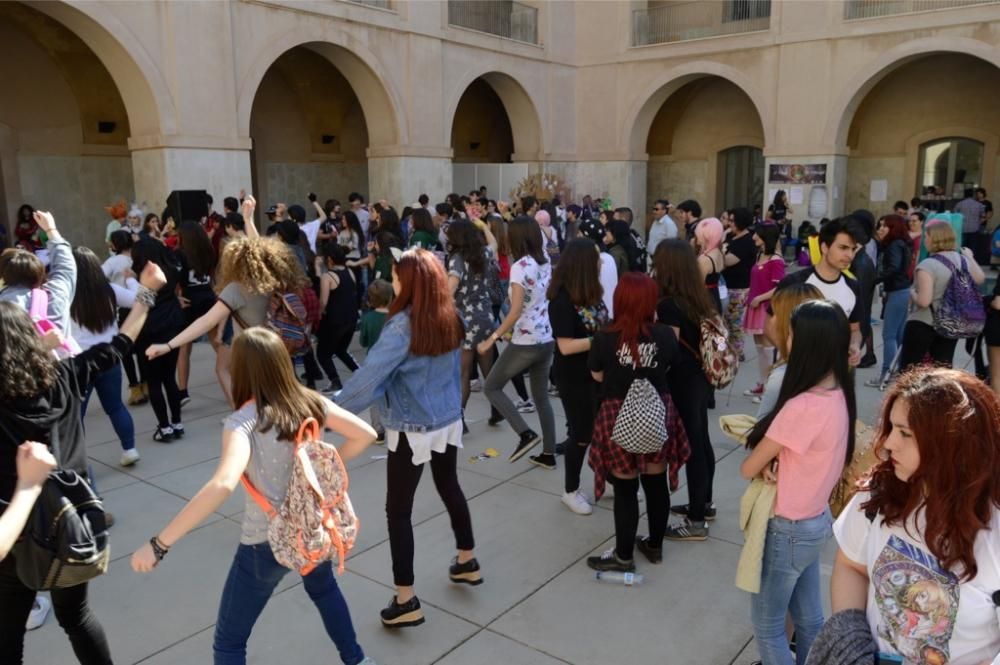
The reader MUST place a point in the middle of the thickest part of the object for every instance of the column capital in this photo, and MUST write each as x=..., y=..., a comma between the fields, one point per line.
x=156, y=141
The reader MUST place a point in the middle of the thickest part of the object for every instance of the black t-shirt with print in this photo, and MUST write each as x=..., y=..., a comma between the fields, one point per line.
x=569, y=320
x=738, y=276
x=657, y=354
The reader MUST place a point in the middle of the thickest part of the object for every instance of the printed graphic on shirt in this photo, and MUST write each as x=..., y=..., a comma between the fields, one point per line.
x=647, y=355
x=917, y=601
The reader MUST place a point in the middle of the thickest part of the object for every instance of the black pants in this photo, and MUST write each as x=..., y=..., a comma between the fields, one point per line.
x=129, y=362
x=71, y=610
x=627, y=510
x=313, y=372
x=161, y=378
x=920, y=340
x=692, y=407
x=335, y=341
x=579, y=400
x=403, y=478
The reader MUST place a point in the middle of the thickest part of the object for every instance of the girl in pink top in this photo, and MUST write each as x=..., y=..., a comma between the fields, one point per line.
x=802, y=445
x=764, y=277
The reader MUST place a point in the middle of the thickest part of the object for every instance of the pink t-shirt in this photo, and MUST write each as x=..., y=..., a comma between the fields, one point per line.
x=812, y=431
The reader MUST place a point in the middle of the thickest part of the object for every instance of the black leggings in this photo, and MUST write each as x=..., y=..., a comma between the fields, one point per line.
x=335, y=341
x=129, y=362
x=161, y=377
x=71, y=610
x=919, y=341
x=692, y=407
x=627, y=510
x=579, y=400
x=402, y=479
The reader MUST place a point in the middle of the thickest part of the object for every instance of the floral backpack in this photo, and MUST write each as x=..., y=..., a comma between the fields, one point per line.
x=316, y=521
x=718, y=359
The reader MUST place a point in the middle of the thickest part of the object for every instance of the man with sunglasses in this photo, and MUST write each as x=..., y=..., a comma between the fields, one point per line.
x=661, y=229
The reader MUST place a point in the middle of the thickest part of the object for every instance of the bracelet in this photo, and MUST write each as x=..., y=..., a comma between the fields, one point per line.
x=159, y=549
x=146, y=296
x=169, y=348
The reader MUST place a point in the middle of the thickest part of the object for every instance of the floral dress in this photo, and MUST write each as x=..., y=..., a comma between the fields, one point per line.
x=473, y=301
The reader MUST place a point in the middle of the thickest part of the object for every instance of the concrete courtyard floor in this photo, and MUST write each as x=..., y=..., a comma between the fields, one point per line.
x=540, y=604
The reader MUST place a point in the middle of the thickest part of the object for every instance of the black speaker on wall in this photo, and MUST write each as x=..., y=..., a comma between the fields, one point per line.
x=188, y=204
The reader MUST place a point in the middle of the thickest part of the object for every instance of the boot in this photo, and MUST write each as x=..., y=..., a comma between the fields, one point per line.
x=136, y=396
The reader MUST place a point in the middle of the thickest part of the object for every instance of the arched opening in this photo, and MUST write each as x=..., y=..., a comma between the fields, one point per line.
x=704, y=143
x=309, y=131
x=904, y=139
x=64, y=144
x=494, y=132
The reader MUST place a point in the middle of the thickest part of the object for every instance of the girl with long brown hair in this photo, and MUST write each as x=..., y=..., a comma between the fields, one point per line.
x=920, y=544
x=259, y=440
x=411, y=376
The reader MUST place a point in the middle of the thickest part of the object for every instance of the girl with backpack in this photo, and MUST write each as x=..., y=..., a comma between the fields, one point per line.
x=918, y=563
x=338, y=301
x=684, y=303
x=40, y=400
x=632, y=348
x=930, y=280
x=802, y=445
x=412, y=376
x=258, y=441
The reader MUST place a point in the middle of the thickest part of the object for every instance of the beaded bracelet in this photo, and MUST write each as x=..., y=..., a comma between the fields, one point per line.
x=146, y=296
x=159, y=550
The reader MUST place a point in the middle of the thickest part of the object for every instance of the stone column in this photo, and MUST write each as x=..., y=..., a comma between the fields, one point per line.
x=162, y=164
x=835, y=186
x=401, y=178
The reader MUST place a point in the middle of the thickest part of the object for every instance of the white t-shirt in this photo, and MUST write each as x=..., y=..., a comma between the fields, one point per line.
x=609, y=281
x=915, y=608
x=533, y=325
x=311, y=229
x=114, y=268
x=363, y=218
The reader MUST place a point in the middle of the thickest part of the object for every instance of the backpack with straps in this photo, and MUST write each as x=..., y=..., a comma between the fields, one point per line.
x=719, y=361
x=961, y=314
x=641, y=424
x=316, y=521
x=286, y=316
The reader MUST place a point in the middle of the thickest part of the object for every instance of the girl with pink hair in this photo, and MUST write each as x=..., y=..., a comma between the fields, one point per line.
x=708, y=242
x=550, y=237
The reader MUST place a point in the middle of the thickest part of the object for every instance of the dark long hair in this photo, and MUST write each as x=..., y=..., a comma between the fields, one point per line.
x=623, y=237
x=26, y=369
x=467, y=241
x=197, y=248
x=93, y=304
x=525, y=238
x=421, y=220
x=820, y=346
x=388, y=221
x=579, y=273
x=770, y=234
x=354, y=224
x=678, y=276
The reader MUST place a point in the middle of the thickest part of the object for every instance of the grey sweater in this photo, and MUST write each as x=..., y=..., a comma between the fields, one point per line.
x=846, y=639
x=61, y=286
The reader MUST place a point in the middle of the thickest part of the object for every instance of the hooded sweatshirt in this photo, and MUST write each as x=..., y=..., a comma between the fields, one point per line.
x=53, y=418
x=60, y=284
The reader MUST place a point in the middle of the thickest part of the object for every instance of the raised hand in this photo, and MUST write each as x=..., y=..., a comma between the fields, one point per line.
x=44, y=220
x=34, y=463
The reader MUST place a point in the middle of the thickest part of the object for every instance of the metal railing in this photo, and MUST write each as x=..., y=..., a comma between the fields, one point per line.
x=695, y=20
x=503, y=18
x=377, y=4
x=862, y=9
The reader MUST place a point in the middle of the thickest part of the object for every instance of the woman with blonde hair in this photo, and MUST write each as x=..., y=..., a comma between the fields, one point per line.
x=258, y=440
x=778, y=330
x=708, y=236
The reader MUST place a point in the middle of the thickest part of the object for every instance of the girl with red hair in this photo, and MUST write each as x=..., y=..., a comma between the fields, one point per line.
x=920, y=544
x=634, y=347
x=412, y=377
x=895, y=260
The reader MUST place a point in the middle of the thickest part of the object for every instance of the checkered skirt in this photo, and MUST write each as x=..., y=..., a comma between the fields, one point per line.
x=607, y=456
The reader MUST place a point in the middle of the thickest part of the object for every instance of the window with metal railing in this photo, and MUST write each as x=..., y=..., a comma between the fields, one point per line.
x=682, y=21
x=503, y=18
x=862, y=9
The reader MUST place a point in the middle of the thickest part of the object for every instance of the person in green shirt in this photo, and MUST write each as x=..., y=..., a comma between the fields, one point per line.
x=379, y=297
x=424, y=234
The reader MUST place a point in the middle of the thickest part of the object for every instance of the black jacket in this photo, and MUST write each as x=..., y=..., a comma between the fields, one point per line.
x=53, y=418
x=894, y=265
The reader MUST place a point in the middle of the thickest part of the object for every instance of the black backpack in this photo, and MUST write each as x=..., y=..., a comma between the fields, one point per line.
x=65, y=542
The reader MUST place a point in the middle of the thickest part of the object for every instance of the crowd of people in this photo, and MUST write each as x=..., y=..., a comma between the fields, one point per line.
x=633, y=327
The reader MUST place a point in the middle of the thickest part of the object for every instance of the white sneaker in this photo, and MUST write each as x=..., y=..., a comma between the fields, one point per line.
x=476, y=386
x=39, y=611
x=129, y=457
x=576, y=502
x=525, y=406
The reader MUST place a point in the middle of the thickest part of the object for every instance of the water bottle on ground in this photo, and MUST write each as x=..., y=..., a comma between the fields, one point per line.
x=617, y=577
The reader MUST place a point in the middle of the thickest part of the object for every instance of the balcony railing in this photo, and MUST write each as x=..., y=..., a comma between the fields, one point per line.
x=862, y=9
x=377, y=4
x=503, y=18
x=682, y=21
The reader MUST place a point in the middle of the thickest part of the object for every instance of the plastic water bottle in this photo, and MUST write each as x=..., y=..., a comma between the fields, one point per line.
x=617, y=577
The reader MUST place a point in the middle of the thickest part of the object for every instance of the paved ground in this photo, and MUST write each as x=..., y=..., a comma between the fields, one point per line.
x=540, y=604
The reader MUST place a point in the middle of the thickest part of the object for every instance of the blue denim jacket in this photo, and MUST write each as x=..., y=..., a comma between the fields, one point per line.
x=411, y=393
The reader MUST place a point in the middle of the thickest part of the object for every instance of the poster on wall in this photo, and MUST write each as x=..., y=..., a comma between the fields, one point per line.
x=798, y=174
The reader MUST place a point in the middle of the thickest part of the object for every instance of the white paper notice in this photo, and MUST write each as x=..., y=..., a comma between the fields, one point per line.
x=795, y=195
x=836, y=192
x=879, y=190
x=771, y=193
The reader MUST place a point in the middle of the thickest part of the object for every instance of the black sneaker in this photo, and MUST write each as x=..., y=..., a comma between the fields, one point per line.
x=528, y=441
x=682, y=510
x=465, y=428
x=496, y=419
x=654, y=554
x=545, y=460
x=178, y=430
x=185, y=397
x=465, y=573
x=380, y=437
x=610, y=561
x=401, y=616
x=687, y=530
x=561, y=447
x=163, y=434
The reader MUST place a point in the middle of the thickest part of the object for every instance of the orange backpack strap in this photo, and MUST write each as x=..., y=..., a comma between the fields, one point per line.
x=258, y=498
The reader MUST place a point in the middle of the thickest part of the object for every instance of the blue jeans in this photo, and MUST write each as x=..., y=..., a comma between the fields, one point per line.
x=252, y=577
x=789, y=584
x=897, y=305
x=109, y=390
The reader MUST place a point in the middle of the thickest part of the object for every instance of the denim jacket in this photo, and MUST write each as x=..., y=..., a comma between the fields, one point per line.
x=411, y=393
